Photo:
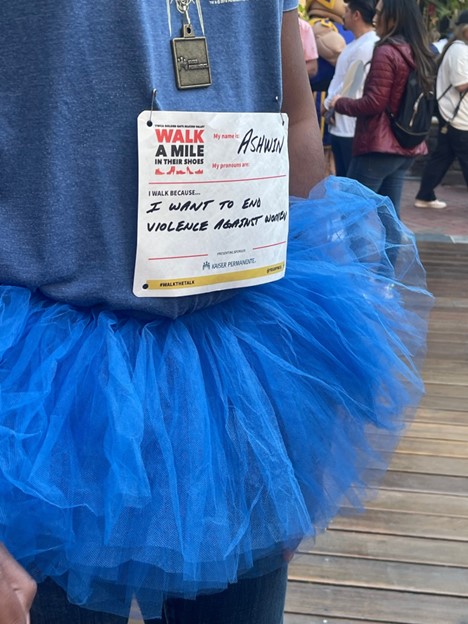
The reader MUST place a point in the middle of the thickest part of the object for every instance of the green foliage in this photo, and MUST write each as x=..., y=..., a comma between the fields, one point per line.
x=435, y=9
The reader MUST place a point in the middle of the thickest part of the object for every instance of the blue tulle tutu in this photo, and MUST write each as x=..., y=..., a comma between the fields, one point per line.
x=146, y=458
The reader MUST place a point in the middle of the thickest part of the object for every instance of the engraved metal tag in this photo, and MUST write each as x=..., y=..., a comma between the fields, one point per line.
x=191, y=62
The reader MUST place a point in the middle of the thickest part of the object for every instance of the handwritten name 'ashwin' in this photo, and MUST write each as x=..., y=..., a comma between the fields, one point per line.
x=260, y=144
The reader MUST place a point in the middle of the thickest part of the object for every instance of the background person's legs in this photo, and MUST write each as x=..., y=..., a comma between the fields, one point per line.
x=392, y=185
x=459, y=142
x=436, y=168
x=384, y=174
x=257, y=600
x=342, y=151
x=51, y=606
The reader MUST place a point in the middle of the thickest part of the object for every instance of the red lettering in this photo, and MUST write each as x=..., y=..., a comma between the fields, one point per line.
x=163, y=135
x=166, y=135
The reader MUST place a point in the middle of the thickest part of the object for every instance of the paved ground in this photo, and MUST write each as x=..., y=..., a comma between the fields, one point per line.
x=449, y=225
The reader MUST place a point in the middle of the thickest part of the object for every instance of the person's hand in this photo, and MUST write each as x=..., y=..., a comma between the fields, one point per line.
x=17, y=590
x=334, y=101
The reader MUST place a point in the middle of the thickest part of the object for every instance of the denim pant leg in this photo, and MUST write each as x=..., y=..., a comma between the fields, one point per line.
x=52, y=607
x=256, y=600
x=342, y=148
x=384, y=174
x=392, y=185
x=436, y=167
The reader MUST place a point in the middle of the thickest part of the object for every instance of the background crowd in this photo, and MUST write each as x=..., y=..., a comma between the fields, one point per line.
x=367, y=80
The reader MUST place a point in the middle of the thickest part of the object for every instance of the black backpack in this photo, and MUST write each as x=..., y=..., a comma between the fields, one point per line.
x=412, y=122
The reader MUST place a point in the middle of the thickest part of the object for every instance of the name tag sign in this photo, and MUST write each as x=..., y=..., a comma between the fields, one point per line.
x=213, y=201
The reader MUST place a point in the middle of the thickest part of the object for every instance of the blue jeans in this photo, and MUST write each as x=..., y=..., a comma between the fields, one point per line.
x=257, y=600
x=342, y=148
x=384, y=174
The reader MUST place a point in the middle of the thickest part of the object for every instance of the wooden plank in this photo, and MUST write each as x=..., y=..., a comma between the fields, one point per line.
x=374, y=574
x=440, y=325
x=437, y=347
x=384, y=547
x=449, y=337
x=454, y=316
x=441, y=285
x=436, y=431
x=435, y=390
x=401, y=523
x=430, y=464
x=428, y=414
x=449, y=373
x=375, y=605
x=439, y=396
x=447, y=320
x=422, y=446
x=420, y=503
x=426, y=446
x=450, y=303
x=451, y=333
x=416, y=482
x=298, y=618
x=440, y=330
x=445, y=288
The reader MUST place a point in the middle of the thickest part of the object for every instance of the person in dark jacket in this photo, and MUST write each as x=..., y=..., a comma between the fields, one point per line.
x=379, y=161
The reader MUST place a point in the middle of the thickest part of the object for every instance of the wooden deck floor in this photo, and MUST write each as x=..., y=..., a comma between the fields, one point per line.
x=405, y=561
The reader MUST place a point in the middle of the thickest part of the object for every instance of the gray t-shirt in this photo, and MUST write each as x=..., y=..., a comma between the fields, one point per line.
x=74, y=77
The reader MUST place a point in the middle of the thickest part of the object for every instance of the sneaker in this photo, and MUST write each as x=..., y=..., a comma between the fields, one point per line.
x=434, y=203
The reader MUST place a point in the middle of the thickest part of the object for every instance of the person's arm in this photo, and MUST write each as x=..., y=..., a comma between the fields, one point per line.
x=312, y=67
x=307, y=163
x=461, y=88
x=309, y=47
x=378, y=89
x=17, y=590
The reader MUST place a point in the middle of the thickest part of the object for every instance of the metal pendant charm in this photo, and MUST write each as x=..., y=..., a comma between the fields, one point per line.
x=191, y=62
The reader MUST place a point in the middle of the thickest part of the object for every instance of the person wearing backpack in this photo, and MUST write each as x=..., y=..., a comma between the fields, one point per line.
x=452, y=96
x=379, y=160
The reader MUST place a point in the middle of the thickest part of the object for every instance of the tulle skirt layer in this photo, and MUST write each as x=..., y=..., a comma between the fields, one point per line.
x=148, y=458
